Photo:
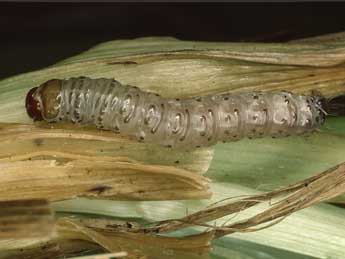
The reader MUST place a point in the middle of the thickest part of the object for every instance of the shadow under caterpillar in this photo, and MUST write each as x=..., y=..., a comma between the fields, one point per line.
x=187, y=123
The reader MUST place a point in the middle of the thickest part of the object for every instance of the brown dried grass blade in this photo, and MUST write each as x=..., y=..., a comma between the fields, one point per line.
x=137, y=245
x=21, y=219
x=324, y=186
x=321, y=187
x=21, y=139
x=68, y=162
x=61, y=176
x=41, y=250
x=75, y=237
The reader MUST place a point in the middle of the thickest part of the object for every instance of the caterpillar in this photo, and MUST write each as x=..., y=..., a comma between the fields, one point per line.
x=175, y=123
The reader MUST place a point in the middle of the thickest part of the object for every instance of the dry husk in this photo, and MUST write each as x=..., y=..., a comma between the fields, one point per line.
x=74, y=237
x=25, y=219
x=64, y=163
x=31, y=167
x=142, y=241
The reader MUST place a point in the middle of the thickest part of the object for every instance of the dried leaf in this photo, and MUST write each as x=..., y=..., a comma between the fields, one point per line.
x=22, y=219
x=60, y=176
x=139, y=245
x=306, y=193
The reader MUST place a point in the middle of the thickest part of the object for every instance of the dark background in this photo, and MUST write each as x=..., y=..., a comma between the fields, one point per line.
x=35, y=35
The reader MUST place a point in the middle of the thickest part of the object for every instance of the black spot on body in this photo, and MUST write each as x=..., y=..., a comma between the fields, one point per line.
x=116, y=129
x=129, y=225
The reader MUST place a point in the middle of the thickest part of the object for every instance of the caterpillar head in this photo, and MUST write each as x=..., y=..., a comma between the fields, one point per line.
x=43, y=102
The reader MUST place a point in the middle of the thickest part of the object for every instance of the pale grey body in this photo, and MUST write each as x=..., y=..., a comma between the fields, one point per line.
x=186, y=123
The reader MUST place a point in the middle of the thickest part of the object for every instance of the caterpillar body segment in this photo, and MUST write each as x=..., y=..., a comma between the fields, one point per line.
x=186, y=123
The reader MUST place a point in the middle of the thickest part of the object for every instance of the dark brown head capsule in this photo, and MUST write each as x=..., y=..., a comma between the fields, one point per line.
x=43, y=102
x=32, y=105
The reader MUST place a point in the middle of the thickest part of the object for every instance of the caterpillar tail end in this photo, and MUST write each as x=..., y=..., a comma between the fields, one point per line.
x=335, y=106
x=33, y=106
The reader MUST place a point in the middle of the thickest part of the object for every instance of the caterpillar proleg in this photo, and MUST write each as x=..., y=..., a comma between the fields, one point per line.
x=186, y=123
